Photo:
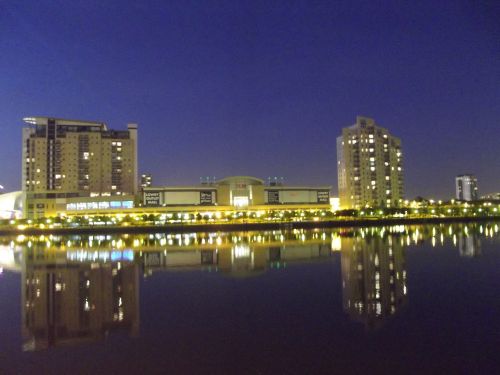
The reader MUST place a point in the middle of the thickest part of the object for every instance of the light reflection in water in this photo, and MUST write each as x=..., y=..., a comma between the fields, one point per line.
x=78, y=288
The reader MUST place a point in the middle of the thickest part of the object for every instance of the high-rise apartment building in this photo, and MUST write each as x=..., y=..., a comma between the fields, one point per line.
x=466, y=187
x=72, y=156
x=370, y=166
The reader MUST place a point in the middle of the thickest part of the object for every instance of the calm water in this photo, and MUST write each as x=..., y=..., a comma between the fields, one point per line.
x=379, y=300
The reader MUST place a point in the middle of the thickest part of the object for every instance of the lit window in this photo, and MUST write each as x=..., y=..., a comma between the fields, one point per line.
x=103, y=205
x=115, y=204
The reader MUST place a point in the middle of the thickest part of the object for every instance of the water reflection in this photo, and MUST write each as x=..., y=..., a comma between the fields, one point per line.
x=66, y=302
x=238, y=261
x=78, y=289
x=373, y=278
x=469, y=246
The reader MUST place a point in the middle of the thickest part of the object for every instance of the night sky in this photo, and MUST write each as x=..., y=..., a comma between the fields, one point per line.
x=261, y=88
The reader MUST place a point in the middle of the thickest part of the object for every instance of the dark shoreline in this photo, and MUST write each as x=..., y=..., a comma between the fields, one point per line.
x=238, y=227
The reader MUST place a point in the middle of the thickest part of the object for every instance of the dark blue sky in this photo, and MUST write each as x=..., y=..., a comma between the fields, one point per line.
x=261, y=88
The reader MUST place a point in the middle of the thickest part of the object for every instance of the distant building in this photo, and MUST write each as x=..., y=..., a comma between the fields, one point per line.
x=466, y=187
x=146, y=180
x=491, y=196
x=370, y=166
x=73, y=158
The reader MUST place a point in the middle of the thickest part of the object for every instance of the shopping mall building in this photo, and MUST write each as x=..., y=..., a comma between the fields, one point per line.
x=237, y=191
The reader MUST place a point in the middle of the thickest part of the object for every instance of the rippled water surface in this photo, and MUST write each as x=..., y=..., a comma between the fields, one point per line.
x=375, y=300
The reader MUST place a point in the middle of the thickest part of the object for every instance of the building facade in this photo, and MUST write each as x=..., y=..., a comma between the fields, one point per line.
x=369, y=166
x=64, y=159
x=236, y=191
x=466, y=187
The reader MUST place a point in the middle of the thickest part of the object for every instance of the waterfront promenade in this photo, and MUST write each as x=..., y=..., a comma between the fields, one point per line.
x=242, y=225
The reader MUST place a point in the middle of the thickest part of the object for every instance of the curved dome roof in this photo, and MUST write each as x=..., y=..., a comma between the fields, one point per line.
x=241, y=179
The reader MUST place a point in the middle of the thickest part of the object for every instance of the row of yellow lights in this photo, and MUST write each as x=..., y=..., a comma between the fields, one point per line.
x=195, y=239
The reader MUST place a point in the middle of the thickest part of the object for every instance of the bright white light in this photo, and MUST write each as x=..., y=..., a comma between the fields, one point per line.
x=240, y=201
x=241, y=251
x=335, y=203
x=336, y=243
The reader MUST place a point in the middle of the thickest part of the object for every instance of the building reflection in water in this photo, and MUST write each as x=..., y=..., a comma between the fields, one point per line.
x=68, y=303
x=469, y=246
x=373, y=278
x=78, y=289
x=78, y=295
x=238, y=261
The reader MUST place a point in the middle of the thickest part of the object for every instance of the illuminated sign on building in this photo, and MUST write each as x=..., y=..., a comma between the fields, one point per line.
x=152, y=198
x=273, y=196
x=206, y=197
x=323, y=197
